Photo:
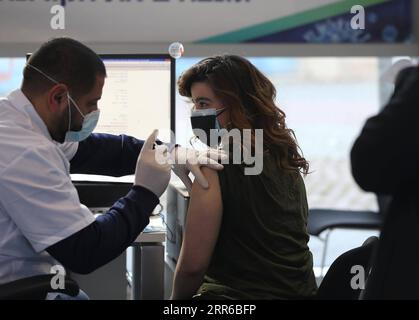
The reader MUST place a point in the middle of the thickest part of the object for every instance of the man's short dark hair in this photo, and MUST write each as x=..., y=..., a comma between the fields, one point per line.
x=67, y=61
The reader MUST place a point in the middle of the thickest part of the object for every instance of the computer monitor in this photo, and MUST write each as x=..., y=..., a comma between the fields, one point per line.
x=138, y=96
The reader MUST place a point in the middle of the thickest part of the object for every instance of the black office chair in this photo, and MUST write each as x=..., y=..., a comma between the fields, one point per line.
x=336, y=284
x=320, y=220
x=35, y=288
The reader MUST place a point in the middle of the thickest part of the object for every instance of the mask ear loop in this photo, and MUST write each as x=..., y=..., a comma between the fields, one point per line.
x=69, y=112
x=70, y=99
x=41, y=72
x=222, y=110
x=68, y=95
x=75, y=104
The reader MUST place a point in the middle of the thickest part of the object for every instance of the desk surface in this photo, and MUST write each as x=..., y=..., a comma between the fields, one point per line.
x=150, y=237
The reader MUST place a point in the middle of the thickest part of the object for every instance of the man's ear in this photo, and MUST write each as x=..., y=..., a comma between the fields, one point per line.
x=57, y=98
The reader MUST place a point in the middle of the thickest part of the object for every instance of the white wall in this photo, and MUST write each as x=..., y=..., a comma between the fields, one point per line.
x=19, y=34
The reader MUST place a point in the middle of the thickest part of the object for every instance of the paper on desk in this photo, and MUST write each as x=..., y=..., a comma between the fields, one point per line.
x=155, y=225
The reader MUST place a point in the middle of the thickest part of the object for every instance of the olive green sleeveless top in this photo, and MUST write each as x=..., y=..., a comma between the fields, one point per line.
x=261, y=251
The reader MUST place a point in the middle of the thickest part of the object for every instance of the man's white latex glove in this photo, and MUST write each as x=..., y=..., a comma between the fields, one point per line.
x=189, y=160
x=150, y=173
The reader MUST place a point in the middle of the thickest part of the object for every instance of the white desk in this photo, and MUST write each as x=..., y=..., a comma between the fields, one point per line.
x=147, y=278
x=148, y=264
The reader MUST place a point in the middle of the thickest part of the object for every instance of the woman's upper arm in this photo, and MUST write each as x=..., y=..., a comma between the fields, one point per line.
x=202, y=225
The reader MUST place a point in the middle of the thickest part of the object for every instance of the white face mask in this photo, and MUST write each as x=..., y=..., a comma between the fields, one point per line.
x=89, y=121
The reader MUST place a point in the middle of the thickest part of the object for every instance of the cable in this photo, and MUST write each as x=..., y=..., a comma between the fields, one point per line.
x=170, y=235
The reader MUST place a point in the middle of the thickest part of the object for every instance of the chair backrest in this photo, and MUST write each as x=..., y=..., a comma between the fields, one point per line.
x=338, y=281
x=35, y=288
x=383, y=202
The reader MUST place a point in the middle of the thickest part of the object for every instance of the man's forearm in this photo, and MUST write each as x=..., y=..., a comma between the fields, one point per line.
x=106, y=154
x=109, y=155
x=109, y=235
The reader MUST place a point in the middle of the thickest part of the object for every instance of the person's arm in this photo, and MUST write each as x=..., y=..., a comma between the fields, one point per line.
x=201, y=233
x=385, y=155
x=109, y=235
x=106, y=154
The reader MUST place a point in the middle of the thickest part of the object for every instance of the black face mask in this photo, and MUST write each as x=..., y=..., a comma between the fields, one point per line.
x=205, y=123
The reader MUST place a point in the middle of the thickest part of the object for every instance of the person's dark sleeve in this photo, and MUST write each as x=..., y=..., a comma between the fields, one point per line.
x=386, y=154
x=109, y=235
x=106, y=154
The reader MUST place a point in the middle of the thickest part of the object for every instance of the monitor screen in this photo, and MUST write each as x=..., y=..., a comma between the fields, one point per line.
x=138, y=97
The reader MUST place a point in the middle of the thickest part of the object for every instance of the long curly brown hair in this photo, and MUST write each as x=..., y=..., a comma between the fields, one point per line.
x=250, y=97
